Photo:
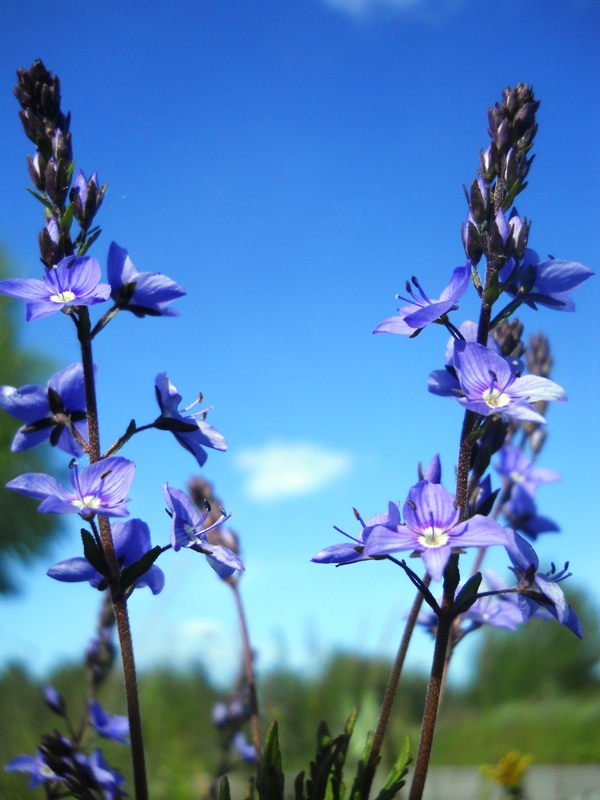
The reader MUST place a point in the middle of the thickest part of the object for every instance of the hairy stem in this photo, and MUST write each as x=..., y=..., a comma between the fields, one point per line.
x=249, y=668
x=432, y=700
x=390, y=693
x=117, y=596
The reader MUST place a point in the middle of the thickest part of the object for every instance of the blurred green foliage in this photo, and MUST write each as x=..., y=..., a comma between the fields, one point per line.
x=24, y=534
x=535, y=690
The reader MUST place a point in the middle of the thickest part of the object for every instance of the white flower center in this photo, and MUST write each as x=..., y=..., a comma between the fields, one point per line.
x=433, y=537
x=516, y=477
x=46, y=771
x=89, y=501
x=495, y=398
x=62, y=297
x=191, y=532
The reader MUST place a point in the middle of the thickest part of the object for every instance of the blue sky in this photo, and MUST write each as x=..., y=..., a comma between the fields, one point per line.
x=291, y=163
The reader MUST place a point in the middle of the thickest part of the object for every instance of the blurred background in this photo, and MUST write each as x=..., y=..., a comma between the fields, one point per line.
x=291, y=163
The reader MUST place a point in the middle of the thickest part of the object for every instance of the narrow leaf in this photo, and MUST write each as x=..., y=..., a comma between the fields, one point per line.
x=93, y=554
x=224, y=793
x=394, y=781
x=65, y=223
x=41, y=198
x=468, y=594
x=134, y=571
x=360, y=769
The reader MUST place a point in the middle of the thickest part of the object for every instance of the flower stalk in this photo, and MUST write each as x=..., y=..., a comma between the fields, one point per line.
x=117, y=595
x=248, y=665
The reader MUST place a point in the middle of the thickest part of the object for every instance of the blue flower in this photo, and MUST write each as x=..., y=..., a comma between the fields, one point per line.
x=140, y=292
x=74, y=281
x=432, y=529
x=550, y=597
x=497, y=611
x=517, y=468
x=491, y=385
x=109, y=779
x=521, y=512
x=111, y=727
x=192, y=433
x=187, y=531
x=100, y=489
x=131, y=540
x=244, y=748
x=353, y=551
x=546, y=283
x=46, y=420
x=36, y=766
x=421, y=311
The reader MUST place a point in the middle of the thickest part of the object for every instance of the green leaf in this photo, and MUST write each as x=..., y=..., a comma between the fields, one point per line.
x=517, y=188
x=44, y=201
x=114, y=448
x=88, y=243
x=360, y=769
x=224, y=793
x=174, y=425
x=394, y=781
x=250, y=786
x=351, y=722
x=93, y=554
x=134, y=571
x=55, y=401
x=468, y=594
x=69, y=172
x=493, y=290
x=299, y=786
x=67, y=219
x=271, y=780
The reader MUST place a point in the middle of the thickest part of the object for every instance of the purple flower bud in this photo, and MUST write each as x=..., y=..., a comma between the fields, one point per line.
x=37, y=172
x=486, y=164
x=520, y=232
x=54, y=700
x=479, y=200
x=512, y=171
x=471, y=240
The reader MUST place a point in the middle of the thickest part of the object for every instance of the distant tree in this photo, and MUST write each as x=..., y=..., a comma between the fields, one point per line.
x=540, y=659
x=24, y=533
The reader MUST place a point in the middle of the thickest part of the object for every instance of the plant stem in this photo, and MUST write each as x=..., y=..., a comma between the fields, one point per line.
x=249, y=668
x=432, y=700
x=446, y=618
x=117, y=596
x=390, y=693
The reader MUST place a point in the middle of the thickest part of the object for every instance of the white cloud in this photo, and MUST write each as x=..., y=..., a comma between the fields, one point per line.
x=359, y=7
x=281, y=469
x=432, y=9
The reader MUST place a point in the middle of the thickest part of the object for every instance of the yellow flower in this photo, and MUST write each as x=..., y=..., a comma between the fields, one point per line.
x=509, y=771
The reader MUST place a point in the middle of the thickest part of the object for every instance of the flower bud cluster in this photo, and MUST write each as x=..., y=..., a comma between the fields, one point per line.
x=503, y=168
x=84, y=777
x=51, y=168
x=539, y=362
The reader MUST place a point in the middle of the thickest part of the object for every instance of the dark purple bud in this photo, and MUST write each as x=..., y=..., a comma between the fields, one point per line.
x=512, y=169
x=502, y=139
x=479, y=200
x=61, y=146
x=486, y=164
x=520, y=233
x=524, y=119
x=471, y=240
x=36, y=172
x=54, y=700
x=87, y=198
